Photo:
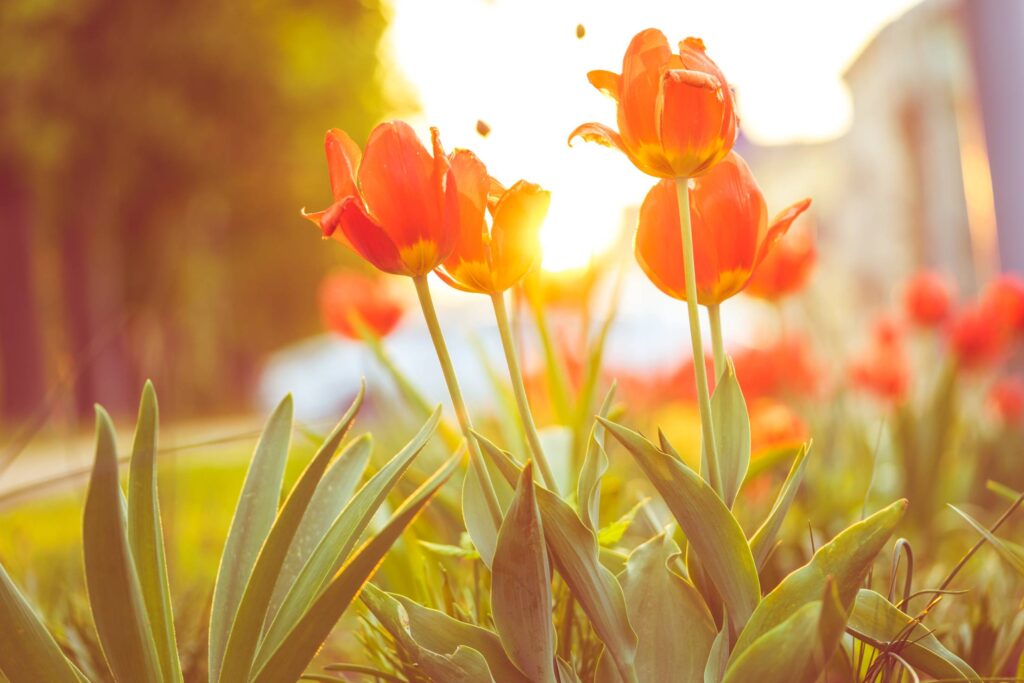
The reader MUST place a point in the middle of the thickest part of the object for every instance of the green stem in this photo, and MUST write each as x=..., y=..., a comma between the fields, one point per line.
x=700, y=369
x=519, y=390
x=715, y=317
x=430, y=315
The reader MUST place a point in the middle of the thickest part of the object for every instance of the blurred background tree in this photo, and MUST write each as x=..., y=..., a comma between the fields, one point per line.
x=155, y=155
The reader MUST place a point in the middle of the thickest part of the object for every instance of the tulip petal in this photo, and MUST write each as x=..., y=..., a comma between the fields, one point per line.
x=607, y=82
x=399, y=184
x=693, y=110
x=658, y=243
x=327, y=221
x=472, y=185
x=343, y=157
x=515, y=235
x=779, y=226
x=647, y=55
x=599, y=133
x=369, y=239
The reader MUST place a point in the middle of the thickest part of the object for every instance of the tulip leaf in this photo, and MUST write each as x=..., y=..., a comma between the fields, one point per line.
x=28, y=653
x=674, y=628
x=287, y=662
x=846, y=559
x=244, y=636
x=610, y=535
x=574, y=551
x=1005, y=550
x=254, y=515
x=882, y=625
x=476, y=515
x=115, y=593
x=711, y=529
x=732, y=433
x=796, y=650
x=145, y=535
x=334, y=547
x=521, y=599
x=718, y=657
x=763, y=540
x=429, y=634
x=332, y=495
x=595, y=464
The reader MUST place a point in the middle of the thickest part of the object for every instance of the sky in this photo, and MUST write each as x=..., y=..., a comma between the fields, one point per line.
x=518, y=66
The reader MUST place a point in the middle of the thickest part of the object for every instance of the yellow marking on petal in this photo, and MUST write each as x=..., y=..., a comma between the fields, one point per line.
x=730, y=282
x=419, y=258
x=475, y=275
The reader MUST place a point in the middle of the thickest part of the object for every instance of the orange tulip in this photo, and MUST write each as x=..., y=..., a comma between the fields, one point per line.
x=349, y=299
x=928, y=299
x=491, y=259
x=675, y=111
x=773, y=426
x=786, y=269
x=731, y=234
x=402, y=214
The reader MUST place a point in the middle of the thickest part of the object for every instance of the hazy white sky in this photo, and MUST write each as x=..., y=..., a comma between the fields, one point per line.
x=518, y=65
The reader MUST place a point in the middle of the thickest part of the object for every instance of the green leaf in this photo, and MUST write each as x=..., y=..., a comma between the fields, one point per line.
x=673, y=625
x=732, y=433
x=332, y=495
x=446, y=550
x=718, y=657
x=796, y=650
x=28, y=653
x=476, y=515
x=145, y=536
x=287, y=662
x=521, y=599
x=1005, y=550
x=846, y=559
x=429, y=634
x=763, y=540
x=712, y=531
x=574, y=550
x=882, y=625
x=613, y=533
x=254, y=515
x=595, y=464
x=334, y=547
x=244, y=637
x=115, y=594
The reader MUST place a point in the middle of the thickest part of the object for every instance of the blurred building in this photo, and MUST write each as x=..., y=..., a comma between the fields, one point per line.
x=909, y=185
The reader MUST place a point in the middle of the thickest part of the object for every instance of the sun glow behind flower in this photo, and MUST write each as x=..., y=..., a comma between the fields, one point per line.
x=495, y=61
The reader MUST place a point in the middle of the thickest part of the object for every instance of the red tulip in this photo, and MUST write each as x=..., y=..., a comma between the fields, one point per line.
x=731, y=233
x=977, y=337
x=349, y=300
x=774, y=425
x=882, y=369
x=786, y=269
x=491, y=259
x=675, y=111
x=1007, y=399
x=402, y=214
x=928, y=299
x=1004, y=298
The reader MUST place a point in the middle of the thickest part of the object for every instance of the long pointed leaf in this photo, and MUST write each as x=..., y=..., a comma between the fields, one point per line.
x=254, y=515
x=712, y=531
x=288, y=661
x=846, y=559
x=521, y=599
x=1004, y=550
x=146, y=538
x=763, y=540
x=335, y=546
x=574, y=550
x=732, y=433
x=588, y=488
x=28, y=653
x=252, y=610
x=115, y=594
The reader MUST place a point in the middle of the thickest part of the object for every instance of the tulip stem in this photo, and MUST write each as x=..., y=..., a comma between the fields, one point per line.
x=715, y=318
x=699, y=366
x=430, y=315
x=519, y=389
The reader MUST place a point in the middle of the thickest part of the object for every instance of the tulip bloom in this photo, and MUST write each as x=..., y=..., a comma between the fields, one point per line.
x=401, y=215
x=786, y=269
x=773, y=426
x=1004, y=298
x=731, y=233
x=978, y=337
x=349, y=300
x=883, y=369
x=492, y=259
x=1007, y=399
x=928, y=299
x=676, y=116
